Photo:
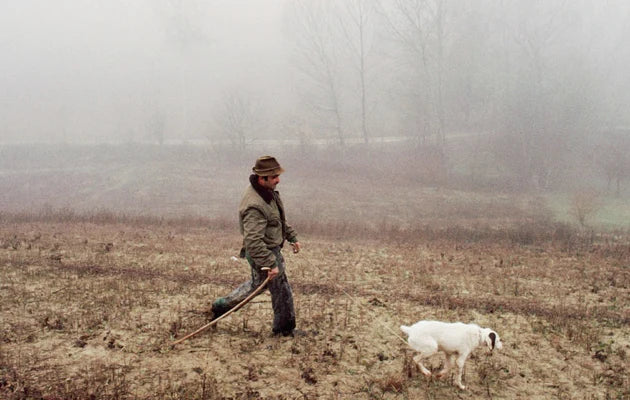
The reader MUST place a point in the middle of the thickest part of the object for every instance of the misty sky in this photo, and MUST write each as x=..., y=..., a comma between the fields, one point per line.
x=93, y=71
x=86, y=70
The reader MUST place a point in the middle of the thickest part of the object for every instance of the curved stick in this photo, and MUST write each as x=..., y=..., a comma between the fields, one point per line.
x=235, y=308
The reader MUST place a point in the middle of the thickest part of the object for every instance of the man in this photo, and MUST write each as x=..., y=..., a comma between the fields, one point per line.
x=264, y=228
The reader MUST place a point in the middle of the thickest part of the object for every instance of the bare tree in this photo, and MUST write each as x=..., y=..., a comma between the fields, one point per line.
x=614, y=158
x=419, y=27
x=358, y=34
x=184, y=23
x=584, y=205
x=316, y=59
x=236, y=119
x=547, y=97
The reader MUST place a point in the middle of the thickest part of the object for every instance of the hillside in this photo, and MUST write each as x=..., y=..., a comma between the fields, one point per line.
x=90, y=310
x=99, y=279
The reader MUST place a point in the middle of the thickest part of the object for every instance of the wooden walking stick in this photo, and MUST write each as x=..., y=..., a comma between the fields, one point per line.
x=235, y=308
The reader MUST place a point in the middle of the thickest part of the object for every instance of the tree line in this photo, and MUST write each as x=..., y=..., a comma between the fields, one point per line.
x=540, y=84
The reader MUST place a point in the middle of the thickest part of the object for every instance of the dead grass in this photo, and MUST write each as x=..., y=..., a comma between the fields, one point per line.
x=91, y=299
x=89, y=311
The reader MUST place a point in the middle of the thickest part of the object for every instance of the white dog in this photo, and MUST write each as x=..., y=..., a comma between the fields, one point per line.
x=454, y=339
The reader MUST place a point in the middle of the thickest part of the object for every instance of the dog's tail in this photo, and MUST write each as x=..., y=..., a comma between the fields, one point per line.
x=405, y=329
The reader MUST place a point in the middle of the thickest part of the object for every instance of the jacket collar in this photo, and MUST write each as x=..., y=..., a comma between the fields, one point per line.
x=266, y=194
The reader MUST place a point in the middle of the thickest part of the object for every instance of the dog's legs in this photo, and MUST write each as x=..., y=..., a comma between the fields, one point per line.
x=460, y=366
x=448, y=363
x=418, y=360
x=426, y=347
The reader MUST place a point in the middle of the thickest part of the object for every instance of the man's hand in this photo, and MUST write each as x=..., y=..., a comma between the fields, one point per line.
x=271, y=273
x=296, y=247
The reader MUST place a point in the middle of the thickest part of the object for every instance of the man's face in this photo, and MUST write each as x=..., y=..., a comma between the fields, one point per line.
x=269, y=182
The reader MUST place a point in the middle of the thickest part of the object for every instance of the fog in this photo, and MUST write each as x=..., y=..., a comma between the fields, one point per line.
x=93, y=72
x=535, y=91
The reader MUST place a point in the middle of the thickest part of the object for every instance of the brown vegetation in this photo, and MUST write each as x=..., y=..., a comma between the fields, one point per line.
x=109, y=255
x=90, y=308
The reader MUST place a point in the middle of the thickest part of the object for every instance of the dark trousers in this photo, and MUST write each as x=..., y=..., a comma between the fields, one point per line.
x=281, y=295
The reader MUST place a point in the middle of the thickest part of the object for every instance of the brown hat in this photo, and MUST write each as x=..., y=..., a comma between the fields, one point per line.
x=267, y=166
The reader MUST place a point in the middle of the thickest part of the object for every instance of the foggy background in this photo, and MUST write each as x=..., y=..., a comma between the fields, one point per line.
x=499, y=95
x=102, y=72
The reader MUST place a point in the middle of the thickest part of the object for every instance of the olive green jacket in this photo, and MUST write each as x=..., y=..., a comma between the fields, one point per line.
x=263, y=227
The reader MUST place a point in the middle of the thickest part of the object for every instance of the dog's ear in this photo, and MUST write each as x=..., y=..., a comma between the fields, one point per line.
x=489, y=337
x=492, y=340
